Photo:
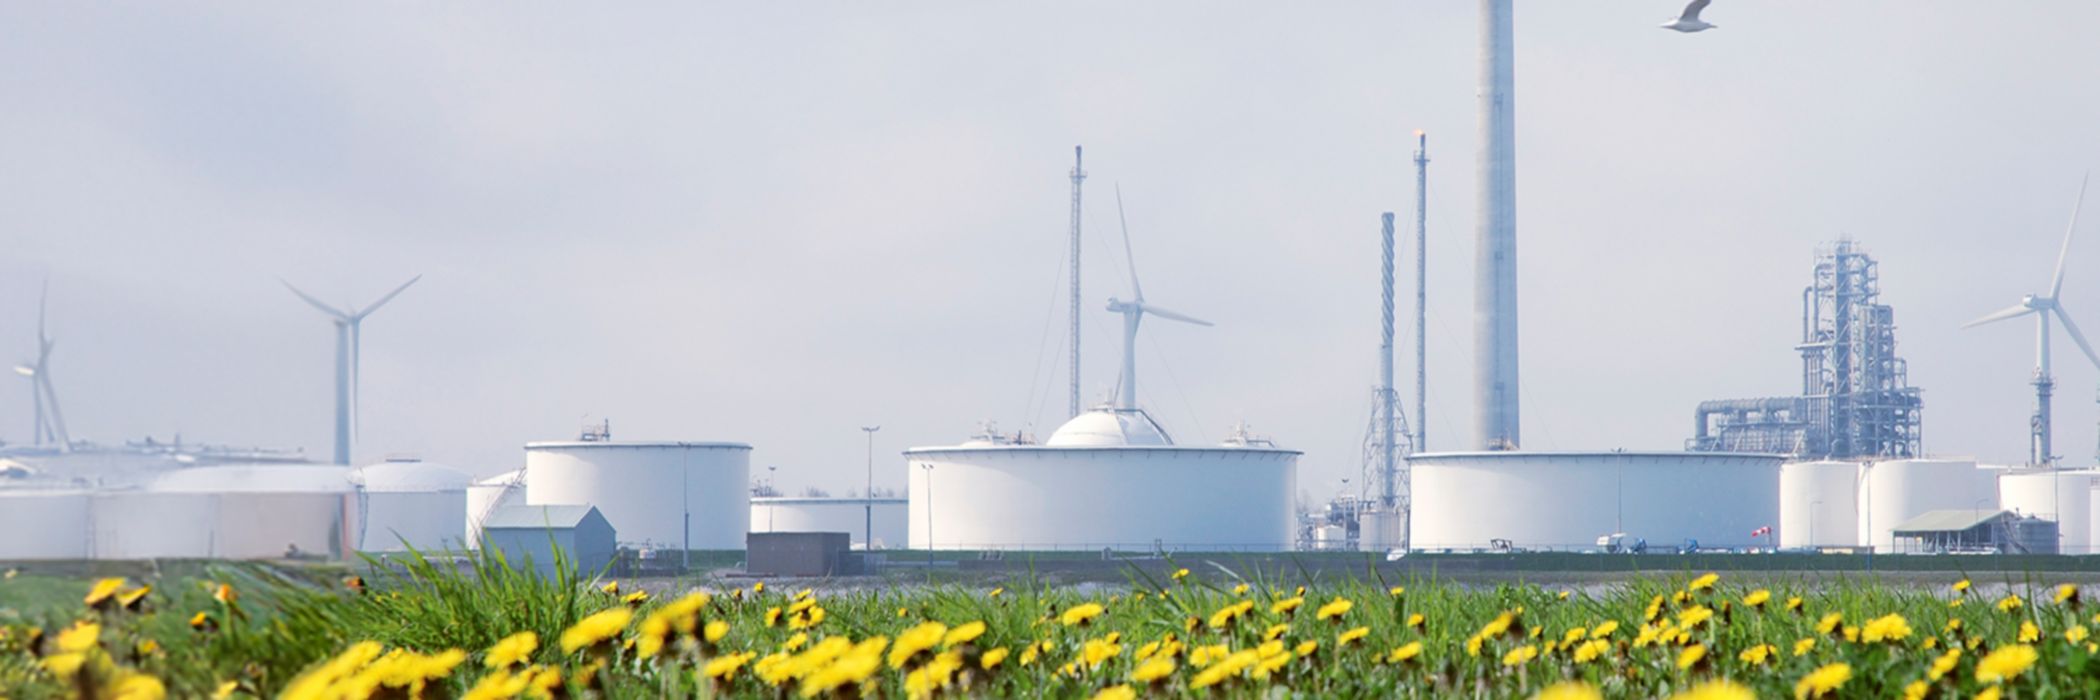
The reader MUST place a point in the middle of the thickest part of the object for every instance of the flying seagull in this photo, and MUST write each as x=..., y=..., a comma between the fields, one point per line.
x=1689, y=22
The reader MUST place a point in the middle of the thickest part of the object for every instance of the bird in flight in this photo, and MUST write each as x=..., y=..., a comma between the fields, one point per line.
x=1689, y=22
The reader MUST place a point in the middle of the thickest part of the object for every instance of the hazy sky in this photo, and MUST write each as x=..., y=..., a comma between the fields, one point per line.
x=776, y=222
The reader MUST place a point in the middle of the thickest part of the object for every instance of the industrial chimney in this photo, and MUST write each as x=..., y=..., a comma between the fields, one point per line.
x=1495, y=293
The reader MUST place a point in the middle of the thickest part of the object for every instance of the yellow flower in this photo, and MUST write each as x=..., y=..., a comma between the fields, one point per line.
x=963, y=634
x=1520, y=655
x=138, y=686
x=1757, y=655
x=512, y=650
x=991, y=659
x=1690, y=656
x=996, y=592
x=1716, y=690
x=1180, y=574
x=1703, y=582
x=130, y=600
x=1991, y=693
x=1405, y=652
x=1343, y=639
x=1118, y=692
x=597, y=628
x=1415, y=620
x=225, y=690
x=1961, y=586
x=1887, y=628
x=82, y=636
x=1591, y=650
x=2076, y=634
x=1081, y=614
x=1693, y=616
x=225, y=594
x=1953, y=625
x=772, y=615
x=2006, y=664
x=725, y=667
x=2067, y=593
x=919, y=638
x=1274, y=631
x=1335, y=608
x=2029, y=633
x=2009, y=603
x=100, y=594
x=1499, y=626
x=715, y=631
x=1227, y=667
x=1604, y=629
x=1574, y=634
x=64, y=665
x=1306, y=648
x=1793, y=603
x=1152, y=670
x=1942, y=665
x=1757, y=598
x=1096, y=651
x=1569, y=690
x=1829, y=622
x=1822, y=681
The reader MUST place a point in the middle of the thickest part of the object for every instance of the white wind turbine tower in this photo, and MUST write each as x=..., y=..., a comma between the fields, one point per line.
x=346, y=360
x=1134, y=311
x=2042, y=307
x=50, y=426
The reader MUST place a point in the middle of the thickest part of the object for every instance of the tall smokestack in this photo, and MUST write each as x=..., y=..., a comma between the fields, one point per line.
x=1495, y=286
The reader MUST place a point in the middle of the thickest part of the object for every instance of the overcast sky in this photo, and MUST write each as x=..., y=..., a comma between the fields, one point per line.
x=776, y=222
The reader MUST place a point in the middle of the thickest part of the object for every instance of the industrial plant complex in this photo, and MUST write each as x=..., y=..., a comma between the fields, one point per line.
x=1837, y=465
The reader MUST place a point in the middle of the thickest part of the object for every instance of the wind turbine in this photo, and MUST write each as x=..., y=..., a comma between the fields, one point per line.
x=346, y=359
x=1134, y=311
x=2038, y=448
x=50, y=427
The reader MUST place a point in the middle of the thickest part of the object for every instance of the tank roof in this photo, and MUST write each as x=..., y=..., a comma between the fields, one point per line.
x=593, y=444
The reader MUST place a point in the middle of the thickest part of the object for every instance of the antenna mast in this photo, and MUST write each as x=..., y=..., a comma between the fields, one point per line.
x=1077, y=176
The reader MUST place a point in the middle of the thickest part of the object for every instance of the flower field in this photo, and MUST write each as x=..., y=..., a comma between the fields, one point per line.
x=427, y=631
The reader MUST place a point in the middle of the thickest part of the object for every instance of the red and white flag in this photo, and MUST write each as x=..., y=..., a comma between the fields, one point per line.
x=1760, y=532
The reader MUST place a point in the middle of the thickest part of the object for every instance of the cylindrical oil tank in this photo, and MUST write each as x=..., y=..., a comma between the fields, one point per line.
x=232, y=512
x=1896, y=491
x=1137, y=497
x=1819, y=504
x=1567, y=500
x=409, y=503
x=2061, y=495
x=648, y=490
x=486, y=495
x=847, y=515
x=43, y=524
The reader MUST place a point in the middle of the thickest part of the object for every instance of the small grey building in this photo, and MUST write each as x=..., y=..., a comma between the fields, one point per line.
x=527, y=536
x=1975, y=531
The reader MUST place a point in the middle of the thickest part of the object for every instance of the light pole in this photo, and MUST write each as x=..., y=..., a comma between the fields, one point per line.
x=770, y=506
x=928, y=466
x=867, y=541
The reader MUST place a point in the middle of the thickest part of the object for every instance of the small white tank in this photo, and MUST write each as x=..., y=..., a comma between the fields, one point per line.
x=648, y=490
x=43, y=524
x=2062, y=495
x=1819, y=504
x=411, y=503
x=486, y=495
x=1899, y=490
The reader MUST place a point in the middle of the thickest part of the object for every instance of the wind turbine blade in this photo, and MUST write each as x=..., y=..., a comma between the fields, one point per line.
x=389, y=297
x=330, y=310
x=356, y=373
x=2077, y=337
x=1172, y=316
x=43, y=299
x=2056, y=284
x=1135, y=290
x=2013, y=312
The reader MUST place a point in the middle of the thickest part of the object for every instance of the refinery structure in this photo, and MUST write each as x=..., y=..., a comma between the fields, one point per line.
x=1837, y=466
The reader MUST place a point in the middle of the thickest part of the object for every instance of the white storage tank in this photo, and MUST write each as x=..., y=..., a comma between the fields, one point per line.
x=2062, y=495
x=411, y=503
x=1819, y=504
x=1896, y=491
x=230, y=512
x=1566, y=500
x=825, y=514
x=43, y=524
x=1110, y=478
x=647, y=490
x=486, y=495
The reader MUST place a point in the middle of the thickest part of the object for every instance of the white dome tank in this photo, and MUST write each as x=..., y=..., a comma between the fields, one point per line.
x=1819, y=504
x=647, y=489
x=1566, y=500
x=58, y=519
x=1898, y=490
x=411, y=503
x=486, y=495
x=847, y=515
x=2062, y=495
x=1108, y=479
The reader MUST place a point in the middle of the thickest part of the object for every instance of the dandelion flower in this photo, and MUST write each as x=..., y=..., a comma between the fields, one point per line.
x=2067, y=594
x=1415, y=620
x=1991, y=693
x=130, y=600
x=1716, y=690
x=724, y=668
x=1887, y=628
x=2076, y=634
x=99, y=596
x=2006, y=664
x=1944, y=664
x=1804, y=645
x=1693, y=616
x=1757, y=598
x=1334, y=609
x=1306, y=648
x=1823, y=681
x=1397, y=591
x=1081, y=614
x=2029, y=633
x=1343, y=639
x=2009, y=603
x=1569, y=690
x=1703, y=582
x=512, y=650
x=1180, y=574
x=1591, y=650
x=1520, y=655
x=82, y=636
x=1829, y=622
x=963, y=634
x=992, y=659
x=1793, y=604
x=1604, y=629
x=1152, y=670
x=1405, y=652
x=1757, y=655
x=1690, y=656
x=1274, y=631
x=594, y=629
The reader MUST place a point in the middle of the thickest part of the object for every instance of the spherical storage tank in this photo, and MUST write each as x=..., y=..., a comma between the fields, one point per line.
x=646, y=490
x=1819, y=504
x=486, y=495
x=1108, y=478
x=410, y=503
x=825, y=514
x=1896, y=491
x=1566, y=500
x=43, y=524
x=2062, y=495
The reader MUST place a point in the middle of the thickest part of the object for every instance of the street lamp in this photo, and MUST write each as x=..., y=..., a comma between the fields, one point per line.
x=928, y=466
x=867, y=542
x=774, y=492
